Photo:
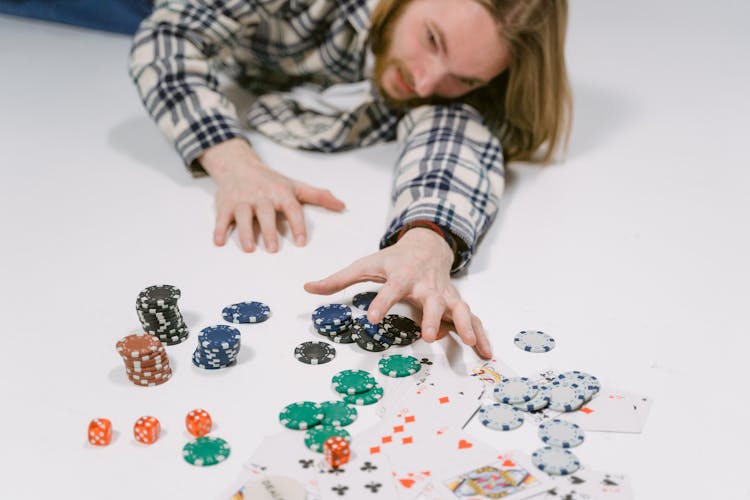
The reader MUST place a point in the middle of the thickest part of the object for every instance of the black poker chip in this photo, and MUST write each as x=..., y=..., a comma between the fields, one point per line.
x=404, y=330
x=368, y=343
x=314, y=353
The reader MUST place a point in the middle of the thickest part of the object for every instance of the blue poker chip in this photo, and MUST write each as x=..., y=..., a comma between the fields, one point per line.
x=363, y=300
x=219, y=337
x=333, y=329
x=363, y=324
x=207, y=366
x=332, y=315
x=215, y=357
x=246, y=312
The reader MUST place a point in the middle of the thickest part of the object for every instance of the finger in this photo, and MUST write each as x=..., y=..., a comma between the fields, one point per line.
x=223, y=220
x=432, y=312
x=266, y=215
x=462, y=321
x=357, y=272
x=483, y=347
x=296, y=218
x=243, y=218
x=389, y=294
x=320, y=197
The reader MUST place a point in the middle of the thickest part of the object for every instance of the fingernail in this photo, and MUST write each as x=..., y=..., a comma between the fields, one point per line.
x=300, y=240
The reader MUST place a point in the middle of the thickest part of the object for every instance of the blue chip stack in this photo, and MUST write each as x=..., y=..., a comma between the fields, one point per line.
x=246, y=312
x=332, y=320
x=218, y=347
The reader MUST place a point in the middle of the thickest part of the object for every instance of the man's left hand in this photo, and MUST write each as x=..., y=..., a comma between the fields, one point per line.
x=416, y=268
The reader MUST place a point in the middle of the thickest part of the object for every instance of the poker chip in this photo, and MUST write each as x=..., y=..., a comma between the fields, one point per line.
x=338, y=413
x=367, y=343
x=315, y=437
x=555, y=461
x=344, y=337
x=398, y=365
x=333, y=329
x=218, y=347
x=301, y=415
x=353, y=381
x=246, y=312
x=564, y=396
x=314, y=353
x=332, y=314
x=160, y=295
x=401, y=326
x=219, y=337
x=589, y=383
x=363, y=300
x=365, y=398
x=159, y=315
x=500, y=416
x=205, y=451
x=145, y=359
x=138, y=346
x=541, y=400
x=561, y=433
x=515, y=390
x=534, y=341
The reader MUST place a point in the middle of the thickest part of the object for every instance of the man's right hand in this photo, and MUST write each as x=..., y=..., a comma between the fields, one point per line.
x=248, y=190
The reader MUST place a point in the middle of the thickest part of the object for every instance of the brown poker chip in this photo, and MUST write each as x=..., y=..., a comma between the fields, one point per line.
x=149, y=363
x=142, y=379
x=139, y=346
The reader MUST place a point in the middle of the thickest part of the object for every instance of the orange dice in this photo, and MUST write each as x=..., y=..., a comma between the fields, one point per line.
x=198, y=422
x=146, y=430
x=100, y=432
x=336, y=451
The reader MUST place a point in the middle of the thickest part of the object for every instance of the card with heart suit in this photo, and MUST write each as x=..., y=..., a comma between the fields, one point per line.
x=613, y=410
x=509, y=476
x=360, y=478
x=587, y=484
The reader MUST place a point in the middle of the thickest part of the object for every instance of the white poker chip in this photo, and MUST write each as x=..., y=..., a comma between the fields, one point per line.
x=555, y=461
x=564, y=396
x=561, y=433
x=500, y=417
x=541, y=400
x=589, y=383
x=534, y=341
x=515, y=390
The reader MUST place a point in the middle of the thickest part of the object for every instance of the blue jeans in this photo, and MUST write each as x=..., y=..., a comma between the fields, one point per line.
x=120, y=16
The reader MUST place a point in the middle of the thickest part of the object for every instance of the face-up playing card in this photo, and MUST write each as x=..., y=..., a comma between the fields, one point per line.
x=613, y=410
x=509, y=476
x=586, y=484
x=284, y=454
x=361, y=478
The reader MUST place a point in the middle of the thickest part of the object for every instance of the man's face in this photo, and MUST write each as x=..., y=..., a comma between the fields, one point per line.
x=439, y=48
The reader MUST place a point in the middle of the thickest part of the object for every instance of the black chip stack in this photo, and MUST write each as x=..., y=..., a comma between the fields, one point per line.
x=157, y=309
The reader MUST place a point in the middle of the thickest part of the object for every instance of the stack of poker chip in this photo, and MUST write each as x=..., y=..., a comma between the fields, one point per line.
x=218, y=347
x=159, y=315
x=334, y=321
x=320, y=421
x=145, y=359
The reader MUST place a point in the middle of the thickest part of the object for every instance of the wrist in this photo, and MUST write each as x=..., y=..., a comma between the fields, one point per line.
x=423, y=238
x=227, y=157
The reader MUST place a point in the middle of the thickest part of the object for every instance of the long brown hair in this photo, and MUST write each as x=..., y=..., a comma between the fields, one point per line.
x=529, y=105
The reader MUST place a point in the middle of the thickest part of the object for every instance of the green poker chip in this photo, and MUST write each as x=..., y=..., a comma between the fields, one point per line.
x=205, y=451
x=301, y=415
x=314, y=438
x=398, y=365
x=353, y=381
x=338, y=413
x=365, y=398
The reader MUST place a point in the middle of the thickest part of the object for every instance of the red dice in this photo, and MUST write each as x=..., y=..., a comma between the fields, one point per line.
x=146, y=430
x=198, y=422
x=100, y=432
x=336, y=451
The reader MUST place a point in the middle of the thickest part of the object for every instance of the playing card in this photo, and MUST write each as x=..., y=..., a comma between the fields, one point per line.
x=285, y=454
x=509, y=476
x=613, y=410
x=586, y=484
x=363, y=476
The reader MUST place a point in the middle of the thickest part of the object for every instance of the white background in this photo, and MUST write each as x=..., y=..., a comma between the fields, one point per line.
x=632, y=254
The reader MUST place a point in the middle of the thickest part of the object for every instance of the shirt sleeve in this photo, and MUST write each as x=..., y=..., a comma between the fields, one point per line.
x=172, y=63
x=450, y=171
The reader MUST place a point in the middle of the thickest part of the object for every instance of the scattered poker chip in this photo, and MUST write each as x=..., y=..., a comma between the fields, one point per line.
x=564, y=396
x=368, y=343
x=315, y=437
x=363, y=300
x=515, y=390
x=353, y=381
x=555, y=461
x=534, y=341
x=398, y=365
x=332, y=314
x=314, y=353
x=301, y=415
x=365, y=398
x=589, y=383
x=246, y=312
x=500, y=416
x=561, y=433
x=205, y=451
x=159, y=295
x=338, y=413
x=541, y=400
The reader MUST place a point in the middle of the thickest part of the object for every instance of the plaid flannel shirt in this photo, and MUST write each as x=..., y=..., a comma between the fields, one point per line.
x=450, y=169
